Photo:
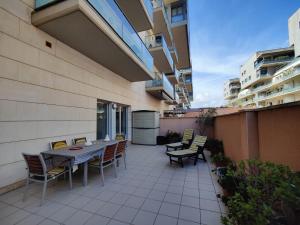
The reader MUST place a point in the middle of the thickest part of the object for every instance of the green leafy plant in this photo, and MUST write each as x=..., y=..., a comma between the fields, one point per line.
x=265, y=194
x=214, y=146
x=220, y=160
x=206, y=119
x=173, y=136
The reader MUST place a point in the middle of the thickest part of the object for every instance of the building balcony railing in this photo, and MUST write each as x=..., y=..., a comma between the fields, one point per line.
x=158, y=40
x=160, y=85
x=149, y=8
x=283, y=76
x=279, y=92
x=110, y=12
x=286, y=59
x=159, y=4
x=174, y=77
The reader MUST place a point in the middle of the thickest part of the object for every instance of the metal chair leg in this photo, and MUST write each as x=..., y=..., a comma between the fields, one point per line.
x=70, y=178
x=115, y=167
x=102, y=174
x=26, y=189
x=125, y=160
x=44, y=191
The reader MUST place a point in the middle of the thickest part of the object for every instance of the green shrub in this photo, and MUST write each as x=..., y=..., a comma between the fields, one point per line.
x=220, y=160
x=265, y=194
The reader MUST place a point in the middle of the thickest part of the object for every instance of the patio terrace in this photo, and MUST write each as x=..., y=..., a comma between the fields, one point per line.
x=149, y=191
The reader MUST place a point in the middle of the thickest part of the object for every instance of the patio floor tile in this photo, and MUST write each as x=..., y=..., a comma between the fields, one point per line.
x=169, y=209
x=165, y=220
x=125, y=214
x=144, y=218
x=190, y=214
x=148, y=192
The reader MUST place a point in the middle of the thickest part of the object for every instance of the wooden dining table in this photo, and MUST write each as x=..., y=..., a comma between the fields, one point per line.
x=81, y=154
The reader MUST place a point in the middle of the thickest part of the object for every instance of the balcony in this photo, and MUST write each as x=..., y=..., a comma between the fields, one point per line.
x=273, y=62
x=174, y=101
x=138, y=12
x=109, y=39
x=161, y=21
x=161, y=89
x=174, y=77
x=279, y=92
x=160, y=52
x=174, y=54
x=180, y=29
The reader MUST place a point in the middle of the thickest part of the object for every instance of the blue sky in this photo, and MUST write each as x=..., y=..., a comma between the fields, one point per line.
x=225, y=33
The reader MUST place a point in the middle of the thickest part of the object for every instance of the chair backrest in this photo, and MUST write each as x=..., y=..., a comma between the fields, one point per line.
x=187, y=136
x=109, y=152
x=80, y=140
x=120, y=137
x=121, y=147
x=57, y=145
x=35, y=163
x=199, y=141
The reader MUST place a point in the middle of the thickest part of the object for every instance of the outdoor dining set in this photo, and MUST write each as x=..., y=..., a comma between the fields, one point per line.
x=62, y=159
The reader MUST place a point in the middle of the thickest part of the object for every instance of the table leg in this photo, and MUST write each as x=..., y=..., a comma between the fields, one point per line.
x=85, y=173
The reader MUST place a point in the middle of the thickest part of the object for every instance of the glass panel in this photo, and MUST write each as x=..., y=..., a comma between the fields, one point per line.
x=149, y=8
x=102, y=120
x=110, y=11
x=41, y=3
x=123, y=120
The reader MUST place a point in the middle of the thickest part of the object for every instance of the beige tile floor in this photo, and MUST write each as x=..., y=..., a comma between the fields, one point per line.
x=148, y=192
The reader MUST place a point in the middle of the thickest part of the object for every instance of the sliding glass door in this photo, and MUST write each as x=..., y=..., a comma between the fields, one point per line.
x=102, y=120
x=121, y=120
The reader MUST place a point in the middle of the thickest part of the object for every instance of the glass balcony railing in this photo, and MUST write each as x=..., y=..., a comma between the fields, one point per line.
x=149, y=8
x=158, y=40
x=112, y=14
x=160, y=4
x=164, y=83
x=39, y=4
x=282, y=91
x=275, y=60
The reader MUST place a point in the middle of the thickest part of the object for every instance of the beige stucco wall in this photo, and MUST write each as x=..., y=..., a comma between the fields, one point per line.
x=49, y=93
x=294, y=31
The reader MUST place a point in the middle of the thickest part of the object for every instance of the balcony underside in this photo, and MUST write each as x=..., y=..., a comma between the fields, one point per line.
x=180, y=34
x=174, y=56
x=173, y=79
x=161, y=26
x=171, y=102
x=78, y=25
x=160, y=60
x=159, y=93
x=136, y=13
x=189, y=86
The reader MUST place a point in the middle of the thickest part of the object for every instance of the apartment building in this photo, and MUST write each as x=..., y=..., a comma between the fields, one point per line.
x=260, y=74
x=231, y=90
x=80, y=67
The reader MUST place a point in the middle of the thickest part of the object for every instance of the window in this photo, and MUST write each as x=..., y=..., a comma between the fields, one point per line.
x=178, y=13
x=102, y=120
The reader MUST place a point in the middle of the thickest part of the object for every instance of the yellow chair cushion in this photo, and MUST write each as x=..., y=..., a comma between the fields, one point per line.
x=55, y=171
x=182, y=152
x=59, y=145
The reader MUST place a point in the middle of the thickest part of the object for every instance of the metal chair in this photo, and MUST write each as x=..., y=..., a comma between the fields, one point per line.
x=81, y=140
x=38, y=171
x=108, y=158
x=121, y=152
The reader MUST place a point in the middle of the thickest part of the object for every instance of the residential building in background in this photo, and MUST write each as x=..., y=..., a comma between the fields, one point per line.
x=78, y=68
x=270, y=77
x=231, y=90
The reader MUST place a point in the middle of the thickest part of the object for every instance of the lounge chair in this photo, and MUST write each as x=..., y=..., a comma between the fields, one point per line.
x=40, y=171
x=185, y=142
x=193, y=151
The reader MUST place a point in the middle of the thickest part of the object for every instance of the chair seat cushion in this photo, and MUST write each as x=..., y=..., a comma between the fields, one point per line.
x=94, y=162
x=181, y=153
x=55, y=171
x=174, y=145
